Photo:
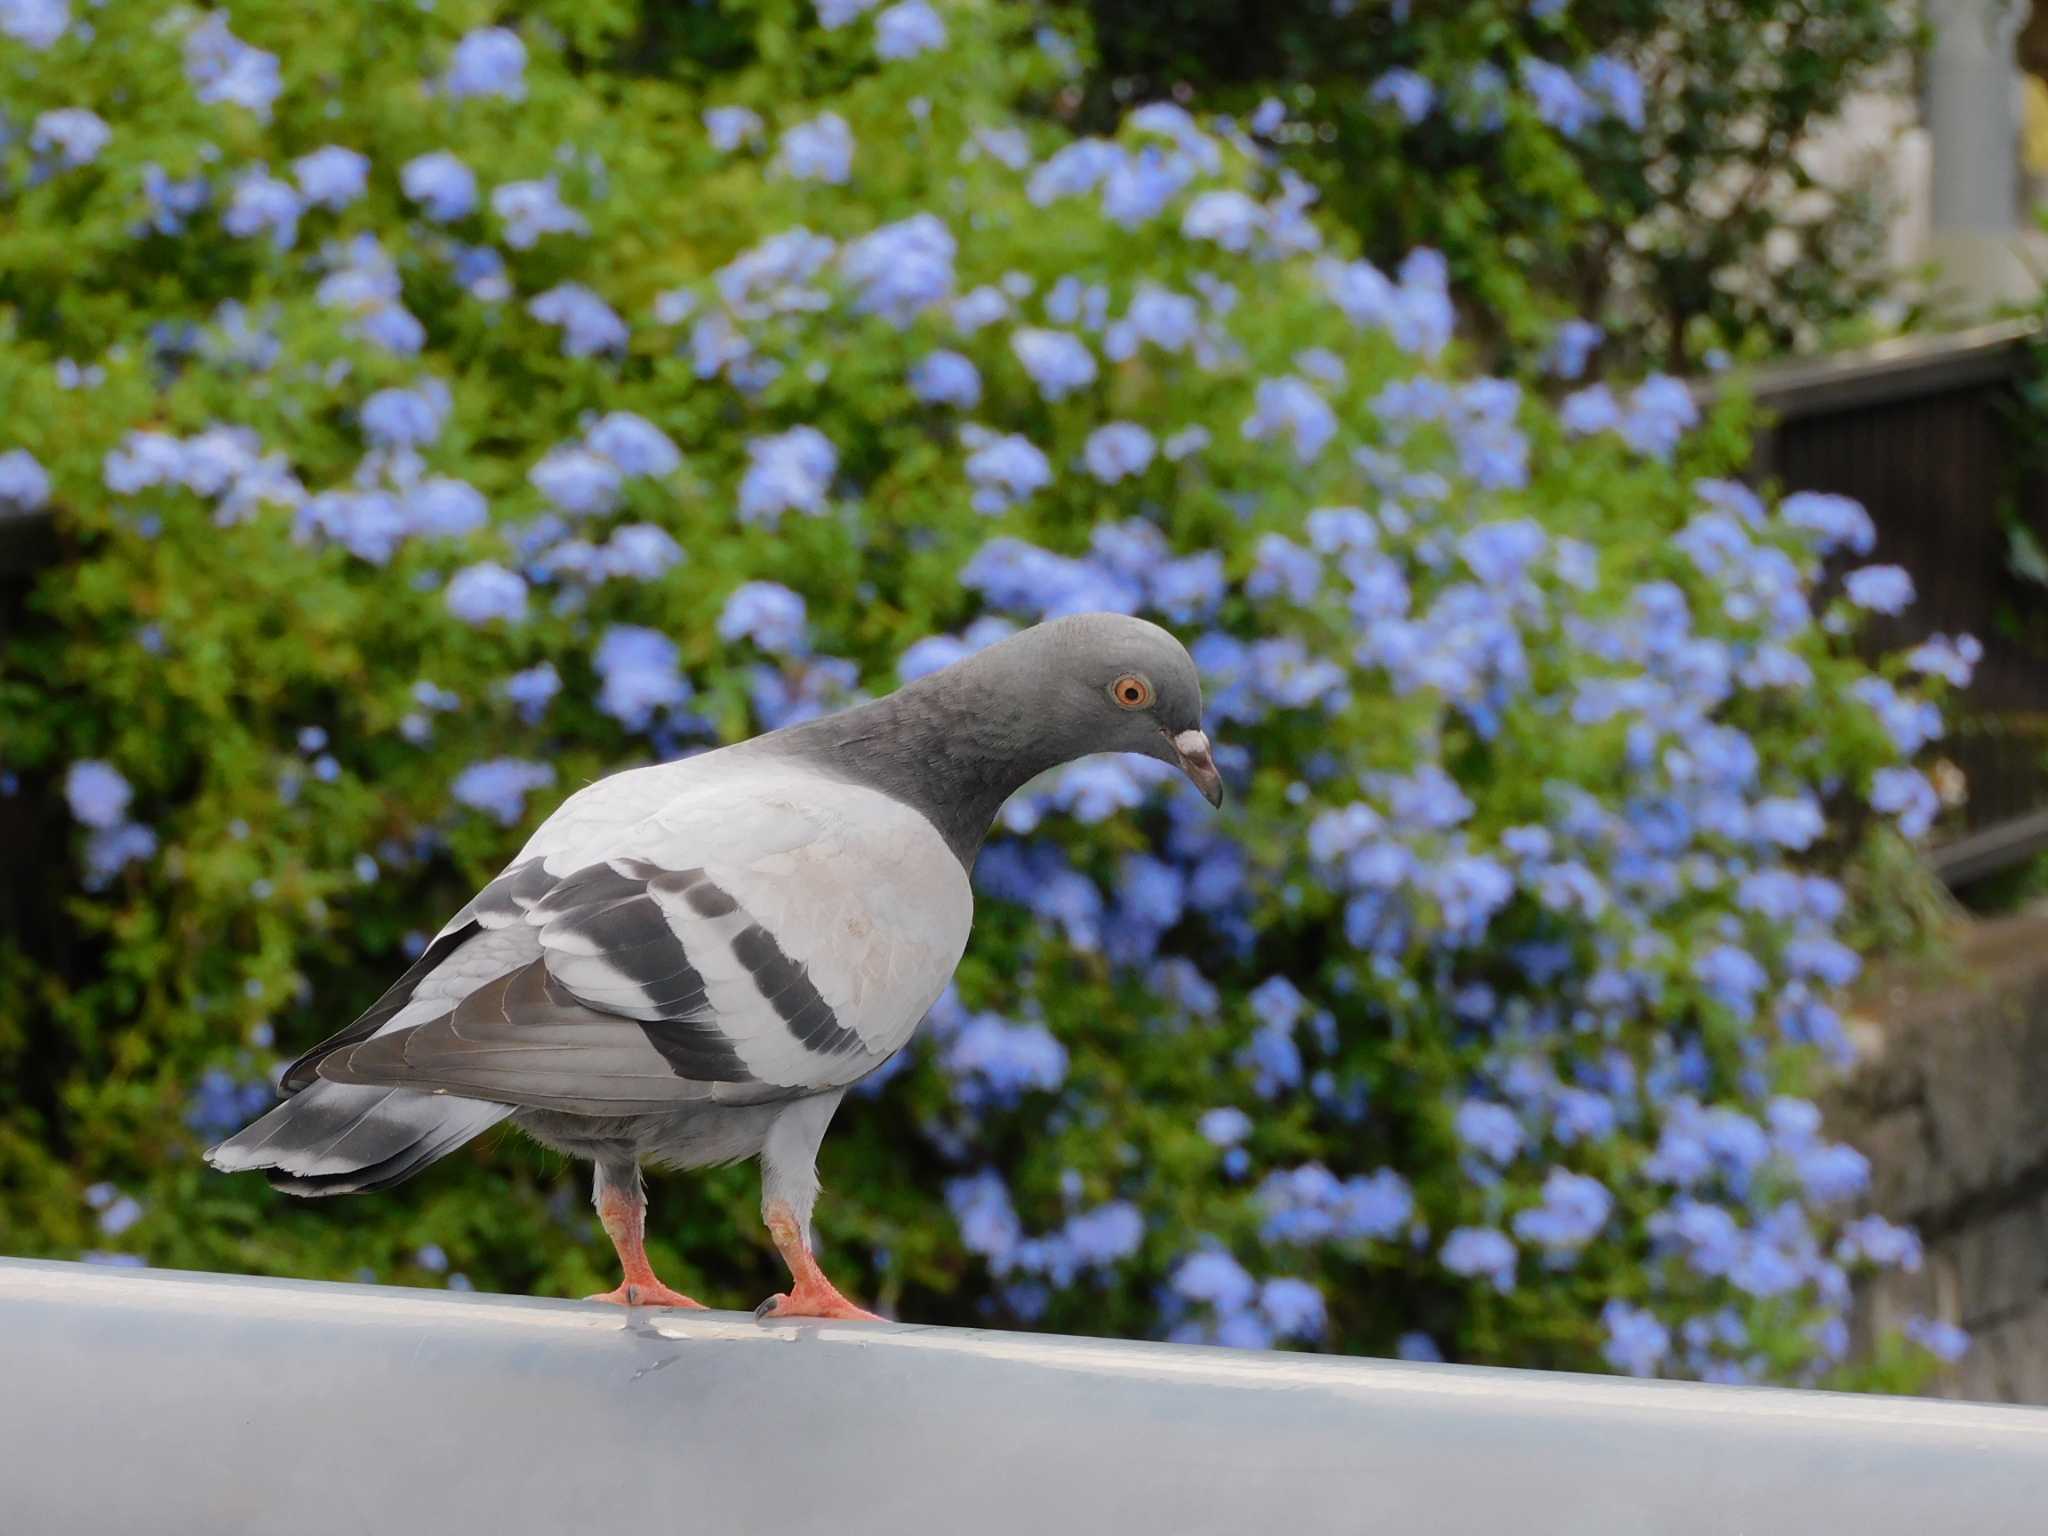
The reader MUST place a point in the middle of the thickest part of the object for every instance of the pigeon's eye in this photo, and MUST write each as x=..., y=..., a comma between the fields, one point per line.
x=1131, y=691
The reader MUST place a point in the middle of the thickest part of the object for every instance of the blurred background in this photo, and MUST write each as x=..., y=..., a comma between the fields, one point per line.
x=1592, y=449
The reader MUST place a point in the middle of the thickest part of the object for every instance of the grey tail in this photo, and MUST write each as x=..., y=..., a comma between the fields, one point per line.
x=340, y=1138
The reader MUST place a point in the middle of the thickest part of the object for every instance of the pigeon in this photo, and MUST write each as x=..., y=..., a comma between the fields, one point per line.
x=690, y=963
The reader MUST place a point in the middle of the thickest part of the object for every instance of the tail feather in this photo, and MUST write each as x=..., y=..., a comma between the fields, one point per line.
x=339, y=1138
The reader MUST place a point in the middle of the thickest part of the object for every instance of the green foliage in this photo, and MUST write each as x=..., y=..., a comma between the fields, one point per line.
x=1699, y=229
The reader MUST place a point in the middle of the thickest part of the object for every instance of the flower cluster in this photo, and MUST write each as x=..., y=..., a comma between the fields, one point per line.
x=455, y=473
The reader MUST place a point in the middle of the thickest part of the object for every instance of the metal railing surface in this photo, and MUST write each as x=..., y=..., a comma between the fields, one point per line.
x=136, y=1400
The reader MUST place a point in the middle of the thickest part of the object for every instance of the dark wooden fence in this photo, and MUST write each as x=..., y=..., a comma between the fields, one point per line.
x=1929, y=433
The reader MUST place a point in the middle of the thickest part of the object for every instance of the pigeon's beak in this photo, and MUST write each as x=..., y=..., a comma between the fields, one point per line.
x=1199, y=766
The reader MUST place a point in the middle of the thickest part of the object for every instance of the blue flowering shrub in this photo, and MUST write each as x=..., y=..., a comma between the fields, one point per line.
x=436, y=417
x=1650, y=170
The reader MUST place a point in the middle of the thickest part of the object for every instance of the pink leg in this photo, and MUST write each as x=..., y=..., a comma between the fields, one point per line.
x=811, y=1294
x=624, y=1215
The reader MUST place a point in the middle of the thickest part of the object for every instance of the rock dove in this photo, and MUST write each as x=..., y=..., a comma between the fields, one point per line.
x=691, y=963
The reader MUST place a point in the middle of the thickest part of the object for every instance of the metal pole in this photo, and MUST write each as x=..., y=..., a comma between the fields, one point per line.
x=172, y=1403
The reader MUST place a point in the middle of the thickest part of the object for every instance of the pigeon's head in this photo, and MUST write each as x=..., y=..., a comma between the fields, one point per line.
x=1106, y=682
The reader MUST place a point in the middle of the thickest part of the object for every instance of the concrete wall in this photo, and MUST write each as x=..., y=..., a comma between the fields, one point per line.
x=1950, y=1103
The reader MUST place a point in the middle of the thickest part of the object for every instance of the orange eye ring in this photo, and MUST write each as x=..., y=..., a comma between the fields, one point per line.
x=1131, y=691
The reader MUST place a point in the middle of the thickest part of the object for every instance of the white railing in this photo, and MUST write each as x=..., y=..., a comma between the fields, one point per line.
x=164, y=1403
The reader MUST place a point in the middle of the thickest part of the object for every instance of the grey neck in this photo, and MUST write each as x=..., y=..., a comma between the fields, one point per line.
x=925, y=746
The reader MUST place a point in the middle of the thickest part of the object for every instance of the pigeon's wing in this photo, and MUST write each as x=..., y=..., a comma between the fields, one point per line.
x=489, y=937
x=766, y=934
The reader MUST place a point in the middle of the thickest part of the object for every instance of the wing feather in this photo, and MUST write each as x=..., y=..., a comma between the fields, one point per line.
x=761, y=936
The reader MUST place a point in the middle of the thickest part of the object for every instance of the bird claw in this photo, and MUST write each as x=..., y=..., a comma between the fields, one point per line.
x=832, y=1305
x=654, y=1295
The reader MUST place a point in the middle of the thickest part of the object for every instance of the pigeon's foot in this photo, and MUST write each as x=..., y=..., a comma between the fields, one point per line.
x=819, y=1300
x=647, y=1293
x=622, y=1207
x=812, y=1295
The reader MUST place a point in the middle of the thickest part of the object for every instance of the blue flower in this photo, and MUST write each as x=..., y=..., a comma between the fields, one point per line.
x=1880, y=588
x=1480, y=1251
x=946, y=378
x=442, y=507
x=441, y=184
x=261, y=203
x=1214, y=1277
x=368, y=524
x=640, y=675
x=640, y=552
x=634, y=444
x=488, y=62
x=987, y=1220
x=1004, y=471
x=1157, y=317
x=908, y=29
x=1873, y=1240
x=1418, y=1347
x=480, y=593
x=1492, y=1130
x=1730, y=976
x=1906, y=794
x=1592, y=409
x=1277, y=1002
x=77, y=135
x=1616, y=85
x=1072, y=170
x=1118, y=451
x=1833, y=1173
x=1637, y=1342
x=97, y=793
x=993, y=1061
x=730, y=127
x=531, y=209
x=1560, y=101
x=1573, y=344
x=1059, y=363
x=1294, y=1307
x=576, y=480
x=1410, y=94
x=834, y=14
x=111, y=849
x=35, y=23
x=1501, y=554
x=24, y=484
x=1226, y=218
x=1102, y=1236
x=531, y=691
x=901, y=269
x=818, y=150
x=1945, y=1341
x=1951, y=660
x=406, y=418
x=500, y=786
x=590, y=325
x=172, y=202
x=1574, y=1210
x=789, y=472
x=1290, y=406
x=770, y=615
x=1790, y=821
x=223, y=68
x=332, y=177
x=1225, y=1126
x=1660, y=411
x=1834, y=522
